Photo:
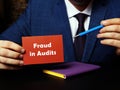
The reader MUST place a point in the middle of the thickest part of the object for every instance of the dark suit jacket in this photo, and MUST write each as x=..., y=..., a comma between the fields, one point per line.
x=50, y=18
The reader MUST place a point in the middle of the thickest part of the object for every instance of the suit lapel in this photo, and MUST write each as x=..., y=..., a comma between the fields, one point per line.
x=63, y=27
x=98, y=13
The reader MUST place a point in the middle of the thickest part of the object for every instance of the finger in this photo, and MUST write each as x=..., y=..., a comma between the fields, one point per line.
x=10, y=61
x=8, y=67
x=111, y=21
x=109, y=35
x=111, y=42
x=118, y=51
x=111, y=28
x=10, y=54
x=11, y=45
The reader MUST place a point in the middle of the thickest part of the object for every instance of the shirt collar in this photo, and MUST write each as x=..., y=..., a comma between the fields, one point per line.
x=71, y=10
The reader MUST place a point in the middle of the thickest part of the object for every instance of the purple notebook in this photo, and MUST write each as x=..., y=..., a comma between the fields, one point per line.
x=69, y=69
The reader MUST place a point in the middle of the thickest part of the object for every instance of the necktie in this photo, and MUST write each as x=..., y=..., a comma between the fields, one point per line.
x=79, y=42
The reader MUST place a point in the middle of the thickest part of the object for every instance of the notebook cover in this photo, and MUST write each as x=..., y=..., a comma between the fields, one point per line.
x=71, y=68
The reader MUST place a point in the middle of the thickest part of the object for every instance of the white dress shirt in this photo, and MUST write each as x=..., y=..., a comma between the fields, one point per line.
x=72, y=11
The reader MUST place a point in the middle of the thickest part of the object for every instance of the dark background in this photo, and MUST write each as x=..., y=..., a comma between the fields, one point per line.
x=10, y=11
x=32, y=78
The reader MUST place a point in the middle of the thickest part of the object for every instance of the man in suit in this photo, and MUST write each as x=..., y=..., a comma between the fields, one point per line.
x=52, y=17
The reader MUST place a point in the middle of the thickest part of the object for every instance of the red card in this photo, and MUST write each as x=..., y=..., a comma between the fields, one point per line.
x=43, y=49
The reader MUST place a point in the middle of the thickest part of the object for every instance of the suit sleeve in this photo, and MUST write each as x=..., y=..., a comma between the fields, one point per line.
x=19, y=28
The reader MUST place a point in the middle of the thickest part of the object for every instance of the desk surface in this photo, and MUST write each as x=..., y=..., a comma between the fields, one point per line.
x=30, y=78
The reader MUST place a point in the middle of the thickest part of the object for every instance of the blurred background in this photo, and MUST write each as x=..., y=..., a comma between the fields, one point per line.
x=10, y=11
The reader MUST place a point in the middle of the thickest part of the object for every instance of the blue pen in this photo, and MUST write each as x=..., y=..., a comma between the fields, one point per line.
x=90, y=30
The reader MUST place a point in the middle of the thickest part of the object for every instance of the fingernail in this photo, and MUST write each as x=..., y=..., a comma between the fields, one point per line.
x=20, y=56
x=22, y=50
x=21, y=63
x=98, y=36
x=102, y=42
x=103, y=22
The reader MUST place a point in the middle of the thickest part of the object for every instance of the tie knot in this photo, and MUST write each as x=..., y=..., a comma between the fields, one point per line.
x=81, y=17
